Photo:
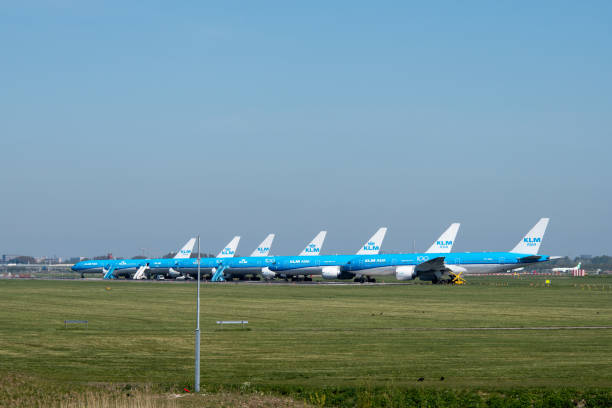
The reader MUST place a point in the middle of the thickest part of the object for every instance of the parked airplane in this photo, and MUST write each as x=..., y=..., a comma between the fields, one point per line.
x=306, y=266
x=183, y=253
x=575, y=268
x=239, y=267
x=242, y=266
x=434, y=267
x=126, y=266
x=163, y=265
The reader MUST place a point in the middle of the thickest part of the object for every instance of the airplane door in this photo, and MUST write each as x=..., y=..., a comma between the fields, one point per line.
x=355, y=264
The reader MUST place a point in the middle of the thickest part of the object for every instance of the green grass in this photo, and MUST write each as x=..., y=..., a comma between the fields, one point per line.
x=314, y=336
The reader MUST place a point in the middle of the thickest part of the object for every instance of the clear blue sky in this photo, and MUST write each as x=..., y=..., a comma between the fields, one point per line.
x=128, y=125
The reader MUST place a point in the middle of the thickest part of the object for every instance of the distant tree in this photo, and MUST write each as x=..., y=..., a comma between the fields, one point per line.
x=590, y=263
x=102, y=257
x=169, y=255
x=195, y=255
x=139, y=257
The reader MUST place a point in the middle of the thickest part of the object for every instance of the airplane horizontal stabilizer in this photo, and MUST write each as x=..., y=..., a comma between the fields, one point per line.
x=529, y=259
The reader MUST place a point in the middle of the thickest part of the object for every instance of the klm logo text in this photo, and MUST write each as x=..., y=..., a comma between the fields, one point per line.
x=532, y=241
x=312, y=248
x=371, y=246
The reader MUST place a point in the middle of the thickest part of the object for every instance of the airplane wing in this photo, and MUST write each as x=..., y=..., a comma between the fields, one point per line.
x=435, y=264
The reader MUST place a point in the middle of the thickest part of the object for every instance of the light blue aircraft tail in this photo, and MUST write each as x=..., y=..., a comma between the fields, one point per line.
x=372, y=246
x=444, y=244
x=314, y=248
x=264, y=248
x=530, y=244
x=230, y=249
x=185, y=251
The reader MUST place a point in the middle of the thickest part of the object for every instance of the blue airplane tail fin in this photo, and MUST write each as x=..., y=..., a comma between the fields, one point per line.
x=444, y=244
x=530, y=244
x=230, y=249
x=314, y=248
x=372, y=246
x=263, y=249
x=185, y=251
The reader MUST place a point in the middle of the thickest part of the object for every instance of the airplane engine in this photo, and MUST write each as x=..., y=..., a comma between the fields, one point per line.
x=405, y=272
x=267, y=273
x=330, y=272
x=173, y=273
x=456, y=268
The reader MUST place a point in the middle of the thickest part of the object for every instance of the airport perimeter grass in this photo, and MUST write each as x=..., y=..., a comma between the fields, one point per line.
x=303, y=339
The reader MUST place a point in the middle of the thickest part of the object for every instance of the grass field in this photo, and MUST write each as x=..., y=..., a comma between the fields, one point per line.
x=312, y=336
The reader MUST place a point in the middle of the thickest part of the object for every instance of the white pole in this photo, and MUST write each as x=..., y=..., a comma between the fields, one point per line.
x=197, y=332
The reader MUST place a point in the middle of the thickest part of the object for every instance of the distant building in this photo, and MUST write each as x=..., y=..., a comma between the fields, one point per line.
x=7, y=258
